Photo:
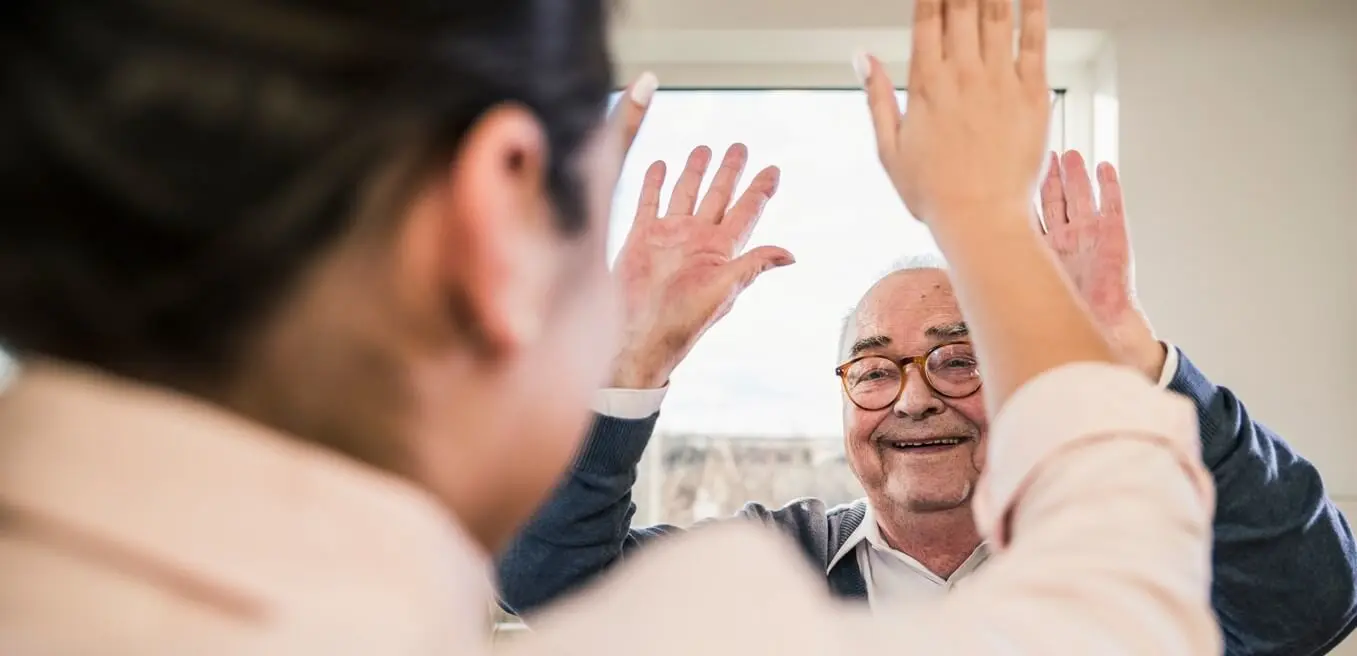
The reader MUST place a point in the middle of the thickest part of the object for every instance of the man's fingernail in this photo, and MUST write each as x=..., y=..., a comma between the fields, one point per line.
x=644, y=89
x=862, y=66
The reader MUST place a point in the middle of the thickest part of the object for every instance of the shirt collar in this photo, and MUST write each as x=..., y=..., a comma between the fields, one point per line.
x=864, y=528
x=187, y=487
x=869, y=532
x=1170, y=369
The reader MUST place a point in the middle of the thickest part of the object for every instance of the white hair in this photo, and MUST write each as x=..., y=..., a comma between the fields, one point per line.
x=914, y=262
x=927, y=260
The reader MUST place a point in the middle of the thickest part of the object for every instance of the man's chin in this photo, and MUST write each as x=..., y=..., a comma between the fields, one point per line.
x=922, y=495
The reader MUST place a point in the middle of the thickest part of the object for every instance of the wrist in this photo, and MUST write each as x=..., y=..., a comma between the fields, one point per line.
x=960, y=228
x=1136, y=344
x=638, y=372
x=977, y=212
x=1153, y=360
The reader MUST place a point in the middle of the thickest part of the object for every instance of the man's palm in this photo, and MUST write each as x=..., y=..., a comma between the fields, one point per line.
x=678, y=270
x=1091, y=241
x=679, y=274
x=1094, y=246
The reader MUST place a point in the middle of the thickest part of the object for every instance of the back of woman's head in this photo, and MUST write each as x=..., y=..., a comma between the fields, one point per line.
x=353, y=220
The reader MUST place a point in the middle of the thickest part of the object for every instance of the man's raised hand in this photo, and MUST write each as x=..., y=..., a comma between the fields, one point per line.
x=681, y=270
x=1093, y=245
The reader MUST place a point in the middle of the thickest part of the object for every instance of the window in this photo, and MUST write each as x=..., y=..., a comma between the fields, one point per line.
x=753, y=413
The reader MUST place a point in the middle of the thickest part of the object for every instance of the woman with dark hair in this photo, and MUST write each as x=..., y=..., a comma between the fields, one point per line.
x=292, y=282
x=311, y=297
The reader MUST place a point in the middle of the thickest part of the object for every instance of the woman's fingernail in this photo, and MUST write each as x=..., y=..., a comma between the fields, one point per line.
x=862, y=66
x=644, y=89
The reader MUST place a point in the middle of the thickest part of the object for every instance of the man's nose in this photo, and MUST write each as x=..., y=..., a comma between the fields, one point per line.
x=917, y=399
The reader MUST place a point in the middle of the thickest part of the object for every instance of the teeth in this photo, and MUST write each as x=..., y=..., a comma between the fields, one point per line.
x=942, y=442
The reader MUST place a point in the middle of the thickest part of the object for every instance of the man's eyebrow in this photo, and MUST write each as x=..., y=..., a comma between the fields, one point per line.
x=947, y=331
x=868, y=343
x=940, y=332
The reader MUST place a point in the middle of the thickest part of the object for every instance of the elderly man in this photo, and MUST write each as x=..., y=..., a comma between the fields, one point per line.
x=915, y=426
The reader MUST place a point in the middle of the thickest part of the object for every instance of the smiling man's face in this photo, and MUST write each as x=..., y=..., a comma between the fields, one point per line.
x=904, y=315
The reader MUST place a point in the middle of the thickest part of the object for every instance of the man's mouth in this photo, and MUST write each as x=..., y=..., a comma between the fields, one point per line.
x=935, y=445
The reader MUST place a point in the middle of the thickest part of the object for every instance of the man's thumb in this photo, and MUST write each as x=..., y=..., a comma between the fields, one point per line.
x=749, y=266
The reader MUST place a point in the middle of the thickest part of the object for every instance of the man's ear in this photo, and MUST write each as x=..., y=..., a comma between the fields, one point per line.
x=498, y=250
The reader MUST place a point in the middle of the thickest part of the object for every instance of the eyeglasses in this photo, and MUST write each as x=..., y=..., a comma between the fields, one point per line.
x=875, y=382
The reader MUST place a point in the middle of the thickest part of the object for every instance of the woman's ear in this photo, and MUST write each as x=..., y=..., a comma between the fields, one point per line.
x=498, y=240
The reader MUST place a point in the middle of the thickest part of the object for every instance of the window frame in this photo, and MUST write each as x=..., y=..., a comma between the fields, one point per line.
x=1061, y=102
x=1081, y=68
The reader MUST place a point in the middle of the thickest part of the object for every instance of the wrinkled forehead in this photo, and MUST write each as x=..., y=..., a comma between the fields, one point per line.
x=905, y=312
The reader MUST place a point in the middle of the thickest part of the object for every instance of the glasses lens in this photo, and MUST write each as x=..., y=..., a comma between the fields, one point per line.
x=872, y=383
x=952, y=370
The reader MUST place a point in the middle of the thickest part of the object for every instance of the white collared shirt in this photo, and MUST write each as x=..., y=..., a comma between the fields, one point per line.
x=895, y=577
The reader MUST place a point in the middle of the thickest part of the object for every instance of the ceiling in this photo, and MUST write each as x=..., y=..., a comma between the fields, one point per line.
x=870, y=14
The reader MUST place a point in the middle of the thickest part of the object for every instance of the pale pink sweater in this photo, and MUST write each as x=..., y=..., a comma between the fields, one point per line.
x=140, y=522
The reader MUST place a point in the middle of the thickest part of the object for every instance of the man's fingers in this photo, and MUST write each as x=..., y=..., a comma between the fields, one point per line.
x=881, y=101
x=1053, y=194
x=1079, y=205
x=649, y=205
x=631, y=108
x=722, y=187
x=743, y=270
x=744, y=215
x=961, y=33
x=684, y=198
x=1032, y=45
x=1109, y=189
x=996, y=34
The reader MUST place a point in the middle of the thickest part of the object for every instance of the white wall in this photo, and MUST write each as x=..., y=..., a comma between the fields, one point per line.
x=1238, y=146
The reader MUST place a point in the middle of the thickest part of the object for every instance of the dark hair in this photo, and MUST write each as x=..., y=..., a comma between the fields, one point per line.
x=168, y=167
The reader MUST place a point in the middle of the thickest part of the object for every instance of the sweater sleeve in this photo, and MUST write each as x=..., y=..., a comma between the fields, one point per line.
x=586, y=525
x=585, y=528
x=1285, y=568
